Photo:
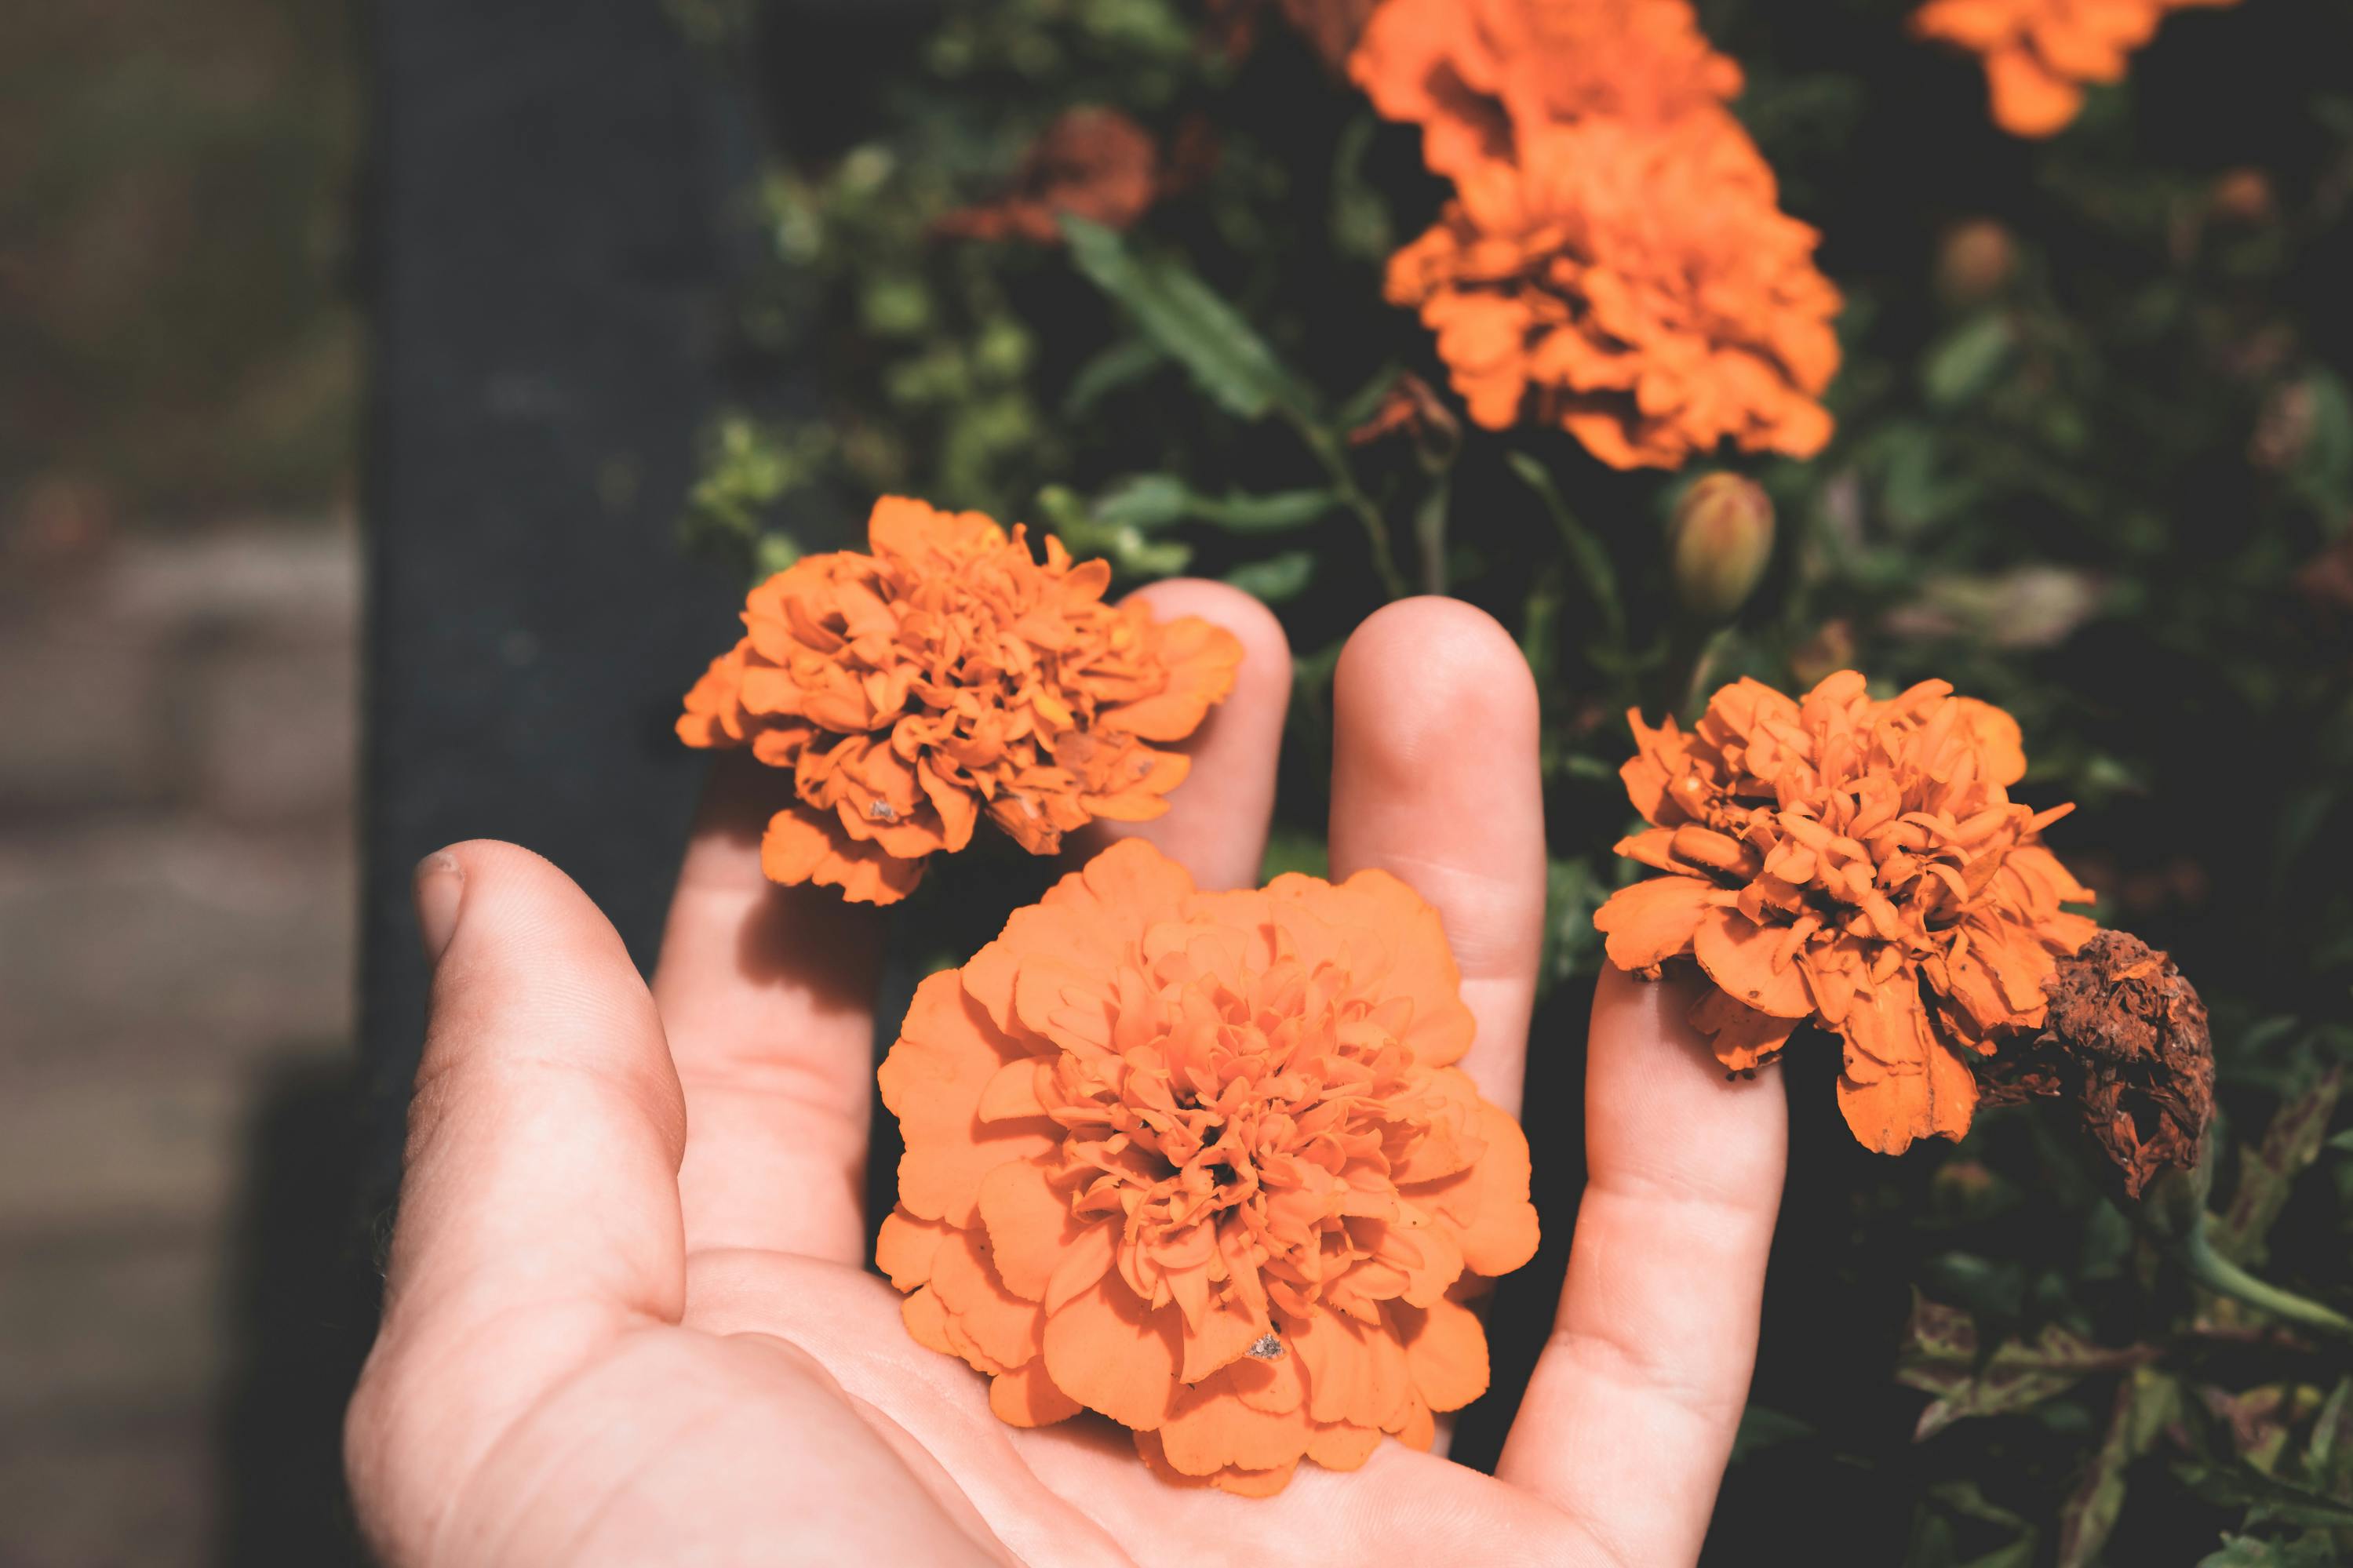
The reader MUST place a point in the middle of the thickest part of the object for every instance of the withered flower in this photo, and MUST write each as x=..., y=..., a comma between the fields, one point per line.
x=1090, y=162
x=2124, y=1036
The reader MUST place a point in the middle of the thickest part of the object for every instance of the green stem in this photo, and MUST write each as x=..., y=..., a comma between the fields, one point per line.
x=2224, y=1278
x=1343, y=484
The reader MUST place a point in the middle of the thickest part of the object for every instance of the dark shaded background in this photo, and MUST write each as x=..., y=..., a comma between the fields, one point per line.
x=195, y=1166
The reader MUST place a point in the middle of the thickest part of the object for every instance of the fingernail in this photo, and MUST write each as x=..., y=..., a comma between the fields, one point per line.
x=439, y=888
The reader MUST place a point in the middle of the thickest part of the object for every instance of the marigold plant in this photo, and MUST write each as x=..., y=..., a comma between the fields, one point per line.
x=1854, y=862
x=1635, y=285
x=2038, y=54
x=1202, y=1162
x=944, y=674
x=1615, y=262
x=1479, y=75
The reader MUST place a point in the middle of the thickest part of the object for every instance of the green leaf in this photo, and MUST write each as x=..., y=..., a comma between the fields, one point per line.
x=1942, y=1359
x=1123, y=364
x=2248, y=1551
x=1361, y=224
x=1276, y=578
x=2328, y=1453
x=1190, y=322
x=2145, y=1403
x=1763, y=1428
x=1585, y=552
x=2268, y=1171
x=2282, y=1502
x=1964, y=362
x=1572, y=892
x=1151, y=501
x=1124, y=545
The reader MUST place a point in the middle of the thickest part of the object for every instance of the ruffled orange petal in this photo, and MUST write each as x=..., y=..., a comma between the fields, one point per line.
x=1445, y=1351
x=933, y=1080
x=1650, y=922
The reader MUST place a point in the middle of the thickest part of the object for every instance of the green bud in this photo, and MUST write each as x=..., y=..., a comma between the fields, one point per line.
x=1718, y=543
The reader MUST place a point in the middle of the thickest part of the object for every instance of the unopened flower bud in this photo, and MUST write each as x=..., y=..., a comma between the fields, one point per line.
x=2244, y=197
x=1975, y=260
x=1718, y=543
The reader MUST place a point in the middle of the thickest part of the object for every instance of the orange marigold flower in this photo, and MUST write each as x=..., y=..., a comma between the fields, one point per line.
x=944, y=674
x=1201, y=1163
x=1092, y=162
x=2039, y=53
x=1854, y=862
x=1478, y=75
x=1638, y=286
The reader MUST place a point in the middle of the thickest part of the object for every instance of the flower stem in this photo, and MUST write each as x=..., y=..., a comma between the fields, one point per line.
x=1343, y=484
x=2224, y=1278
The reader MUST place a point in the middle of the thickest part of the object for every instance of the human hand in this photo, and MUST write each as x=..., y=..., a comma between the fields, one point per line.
x=627, y=1318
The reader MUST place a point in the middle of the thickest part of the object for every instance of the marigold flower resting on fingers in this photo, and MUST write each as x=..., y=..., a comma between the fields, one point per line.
x=1857, y=863
x=943, y=674
x=1203, y=1163
x=2038, y=54
x=1639, y=287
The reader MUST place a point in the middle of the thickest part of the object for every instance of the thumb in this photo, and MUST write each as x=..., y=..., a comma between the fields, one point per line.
x=539, y=1214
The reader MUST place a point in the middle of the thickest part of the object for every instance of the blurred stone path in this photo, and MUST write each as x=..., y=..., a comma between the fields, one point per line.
x=177, y=750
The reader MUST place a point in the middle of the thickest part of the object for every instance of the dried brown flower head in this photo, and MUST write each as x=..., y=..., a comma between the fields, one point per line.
x=2124, y=1036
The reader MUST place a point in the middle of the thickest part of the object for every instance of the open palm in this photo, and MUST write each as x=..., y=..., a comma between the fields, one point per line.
x=627, y=1317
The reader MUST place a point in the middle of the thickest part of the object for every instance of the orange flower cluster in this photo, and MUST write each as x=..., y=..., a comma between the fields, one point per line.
x=947, y=674
x=2039, y=53
x=1201, y=1163
x=1856, y=862
x=1616, y=261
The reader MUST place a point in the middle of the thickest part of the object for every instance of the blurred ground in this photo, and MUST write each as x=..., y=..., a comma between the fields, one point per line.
x=176, y=909
x=178, y=591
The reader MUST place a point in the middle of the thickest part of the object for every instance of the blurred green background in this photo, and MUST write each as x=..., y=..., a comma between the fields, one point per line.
x=174, y=251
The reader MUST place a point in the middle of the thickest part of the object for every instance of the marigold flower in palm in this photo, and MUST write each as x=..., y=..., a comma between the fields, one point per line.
x=1856, y=862
x=1638, y=286
x=944, y=675
x=1478, y=75
x=1203, y=1163
x=2038, y=54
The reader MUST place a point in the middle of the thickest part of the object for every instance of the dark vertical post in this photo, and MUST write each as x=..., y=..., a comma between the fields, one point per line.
x=545, y=245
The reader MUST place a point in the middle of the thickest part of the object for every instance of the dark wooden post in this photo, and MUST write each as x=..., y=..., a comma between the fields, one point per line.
x=545, y=239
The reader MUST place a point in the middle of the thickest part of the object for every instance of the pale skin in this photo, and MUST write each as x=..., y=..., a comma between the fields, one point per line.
x=628, y=1316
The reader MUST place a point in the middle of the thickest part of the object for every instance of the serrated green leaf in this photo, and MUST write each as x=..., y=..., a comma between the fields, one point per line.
x=1190, y=322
